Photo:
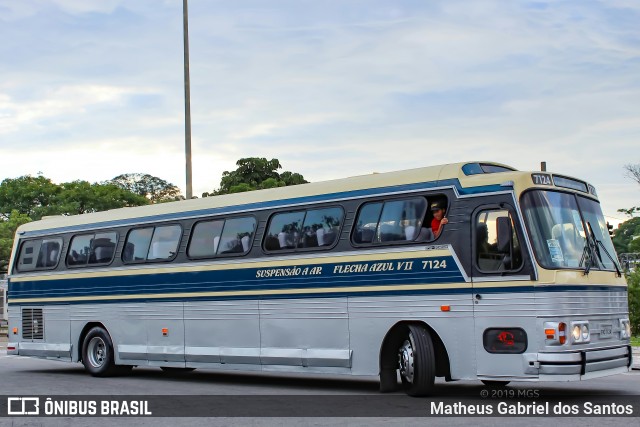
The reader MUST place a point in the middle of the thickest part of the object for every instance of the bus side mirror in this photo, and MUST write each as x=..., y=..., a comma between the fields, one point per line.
x=505, y=234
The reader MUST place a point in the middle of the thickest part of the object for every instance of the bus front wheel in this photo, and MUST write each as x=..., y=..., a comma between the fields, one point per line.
x=97, y=353
x=416, y=362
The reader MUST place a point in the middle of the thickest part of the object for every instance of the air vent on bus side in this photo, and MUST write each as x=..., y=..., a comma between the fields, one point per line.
x=32, y=324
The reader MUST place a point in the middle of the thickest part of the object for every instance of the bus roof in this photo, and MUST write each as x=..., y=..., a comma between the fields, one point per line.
x=443, y=174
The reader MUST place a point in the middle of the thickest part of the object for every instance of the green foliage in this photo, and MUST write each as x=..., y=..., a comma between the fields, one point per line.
x=633, y=280
x=256, y=173
x=623, y=238
x=28, y=195
x=630, y=212
x=30, y=198
x=155, y=189
x=78, y=197
x=8, y=229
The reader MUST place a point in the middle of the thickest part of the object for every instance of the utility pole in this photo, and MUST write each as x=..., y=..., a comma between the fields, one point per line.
x=187, y=100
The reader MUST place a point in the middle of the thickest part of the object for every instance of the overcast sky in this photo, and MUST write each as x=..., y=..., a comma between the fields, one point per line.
x=90, y=89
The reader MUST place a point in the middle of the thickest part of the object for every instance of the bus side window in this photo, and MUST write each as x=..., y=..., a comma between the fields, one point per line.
x=367, y=222
x=391, y=221
x=39, y=254
x=164, y=244
x=27, y=259
x=321, y=227
x=137, y=245
x=284, y=230
x=237, y=235
x=205, y=238
x=497, y=244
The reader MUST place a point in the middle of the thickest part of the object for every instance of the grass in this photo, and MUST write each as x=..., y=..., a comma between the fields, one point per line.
x=635, y=341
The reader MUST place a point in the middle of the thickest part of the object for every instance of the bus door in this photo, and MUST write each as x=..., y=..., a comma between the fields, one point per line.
x=503, y=309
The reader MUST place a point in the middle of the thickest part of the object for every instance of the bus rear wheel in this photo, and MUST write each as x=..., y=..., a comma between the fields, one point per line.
x=97, y=353
x=416, y=362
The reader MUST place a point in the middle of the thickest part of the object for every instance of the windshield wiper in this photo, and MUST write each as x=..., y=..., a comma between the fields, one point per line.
x=587, y=255
x=590, y=249
x=598, y=245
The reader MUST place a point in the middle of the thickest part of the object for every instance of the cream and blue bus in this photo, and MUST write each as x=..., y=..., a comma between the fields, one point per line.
x=337, y=277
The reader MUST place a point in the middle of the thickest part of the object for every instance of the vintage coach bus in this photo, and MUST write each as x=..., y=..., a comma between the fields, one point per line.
x=337, y=277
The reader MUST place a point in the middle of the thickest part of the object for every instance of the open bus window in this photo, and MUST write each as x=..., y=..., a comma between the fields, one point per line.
x=497, y=245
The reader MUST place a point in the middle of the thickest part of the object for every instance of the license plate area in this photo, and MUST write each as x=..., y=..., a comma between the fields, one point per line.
x=606, y=331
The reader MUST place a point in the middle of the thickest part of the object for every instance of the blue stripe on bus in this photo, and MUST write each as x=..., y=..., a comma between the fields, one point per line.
x=275, y=204
x=456, y=291
x=245, y=279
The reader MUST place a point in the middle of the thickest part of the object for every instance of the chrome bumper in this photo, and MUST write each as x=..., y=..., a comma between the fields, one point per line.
x=584, y=362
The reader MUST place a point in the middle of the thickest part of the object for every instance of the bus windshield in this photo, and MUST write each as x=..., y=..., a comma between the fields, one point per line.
x=568, y=231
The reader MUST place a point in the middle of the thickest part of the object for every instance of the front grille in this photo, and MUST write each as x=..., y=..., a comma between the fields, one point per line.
x=32, y=324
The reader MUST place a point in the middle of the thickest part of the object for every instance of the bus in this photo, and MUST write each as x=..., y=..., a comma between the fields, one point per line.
x=338, y=277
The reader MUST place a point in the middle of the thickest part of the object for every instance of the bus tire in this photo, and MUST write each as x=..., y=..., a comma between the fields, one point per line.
x=97, y=353
x=416, y=362
x=494, y=383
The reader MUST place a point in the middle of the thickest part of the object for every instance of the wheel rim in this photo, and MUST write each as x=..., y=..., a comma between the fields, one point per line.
x=405, y=357
x=97, y=352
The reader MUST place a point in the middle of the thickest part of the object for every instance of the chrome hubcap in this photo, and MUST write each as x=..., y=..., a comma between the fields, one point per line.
x=405, y=357
x=96, y=351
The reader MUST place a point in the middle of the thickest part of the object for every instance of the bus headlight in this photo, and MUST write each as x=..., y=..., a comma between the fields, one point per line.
x=580, y=332
x=576, y=333
x=585, y=332
x=625, y=329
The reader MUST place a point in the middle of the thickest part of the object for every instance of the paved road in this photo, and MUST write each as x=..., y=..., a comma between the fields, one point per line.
x=26, y=376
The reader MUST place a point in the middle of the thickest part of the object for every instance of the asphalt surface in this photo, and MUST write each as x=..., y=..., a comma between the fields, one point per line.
x=262, y=394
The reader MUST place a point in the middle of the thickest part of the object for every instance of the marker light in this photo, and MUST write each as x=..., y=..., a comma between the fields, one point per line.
x=445, y=308
x=555, y=333
x=562, y=338
x=625, y=329
x=15, y=331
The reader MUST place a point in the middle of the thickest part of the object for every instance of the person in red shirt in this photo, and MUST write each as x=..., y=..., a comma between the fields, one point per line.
x=439, y=210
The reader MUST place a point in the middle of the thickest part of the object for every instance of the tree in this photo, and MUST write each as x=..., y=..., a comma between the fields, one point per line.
x=633, y=280
x=255, y=173
x=30, y=198
x=633, y=171
x=624, y=235
x=78, y=197
x=8, y=229
x=28, y=195
x=155, y=189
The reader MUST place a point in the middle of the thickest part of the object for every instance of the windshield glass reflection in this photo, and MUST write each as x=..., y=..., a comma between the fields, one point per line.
x=559, y=234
